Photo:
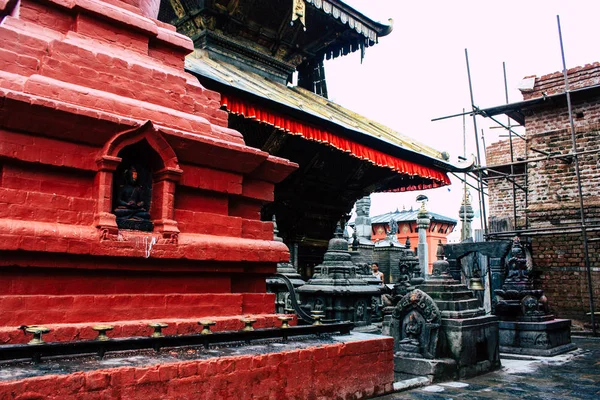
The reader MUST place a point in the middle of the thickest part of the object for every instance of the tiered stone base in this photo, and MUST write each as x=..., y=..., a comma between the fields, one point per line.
x=353, y=367
x=545, y=338
x=467, y=336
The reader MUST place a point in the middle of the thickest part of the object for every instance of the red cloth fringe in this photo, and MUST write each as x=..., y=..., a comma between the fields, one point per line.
x=355, y=149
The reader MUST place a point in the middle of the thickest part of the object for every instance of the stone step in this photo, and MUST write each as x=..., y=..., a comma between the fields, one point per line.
x=460, y=305
x=454, y=286
x=456, y=296
x=187, y=326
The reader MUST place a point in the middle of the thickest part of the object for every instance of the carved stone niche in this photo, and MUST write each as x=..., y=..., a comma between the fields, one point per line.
x=415, y=326
x=150, y=190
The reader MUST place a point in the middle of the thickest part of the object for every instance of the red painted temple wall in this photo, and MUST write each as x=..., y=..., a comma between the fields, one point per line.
x=80, y=81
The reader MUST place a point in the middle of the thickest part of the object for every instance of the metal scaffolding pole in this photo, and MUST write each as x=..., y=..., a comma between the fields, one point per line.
x=578, y=176
x=512, y=153
x=481, y=197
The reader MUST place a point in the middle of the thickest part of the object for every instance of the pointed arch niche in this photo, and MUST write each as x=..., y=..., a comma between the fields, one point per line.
x=145, y=149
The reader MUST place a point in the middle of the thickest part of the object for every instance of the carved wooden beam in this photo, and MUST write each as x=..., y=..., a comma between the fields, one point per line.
x=274, y=142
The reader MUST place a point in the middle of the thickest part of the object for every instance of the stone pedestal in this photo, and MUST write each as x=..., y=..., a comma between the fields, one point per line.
x=544, y=338
x=438, y=369
x=527, y=326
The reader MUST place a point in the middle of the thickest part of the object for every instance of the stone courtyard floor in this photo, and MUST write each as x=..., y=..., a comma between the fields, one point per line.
x=575, y=375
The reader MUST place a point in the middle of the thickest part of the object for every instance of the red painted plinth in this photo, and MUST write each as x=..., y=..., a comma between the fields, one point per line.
x=89, y=88
x=353, y=370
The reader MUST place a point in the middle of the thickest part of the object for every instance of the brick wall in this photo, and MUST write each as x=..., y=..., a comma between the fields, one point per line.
x=501, y=203
x=552, y=199
x=499, y=153
x=560, y=271
x=579, y=77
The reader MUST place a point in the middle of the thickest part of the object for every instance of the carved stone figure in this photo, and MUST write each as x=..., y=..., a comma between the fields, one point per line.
x=132, y=203
x=415, y=326
x=412, y=329
x=363, y=207
x=517, y=263
x=393, y=225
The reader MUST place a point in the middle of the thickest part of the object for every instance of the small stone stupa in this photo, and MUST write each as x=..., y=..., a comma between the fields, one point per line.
x=337, y=290
x=526, y=324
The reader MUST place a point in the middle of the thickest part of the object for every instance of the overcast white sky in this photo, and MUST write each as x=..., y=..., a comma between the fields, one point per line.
x=418, y=72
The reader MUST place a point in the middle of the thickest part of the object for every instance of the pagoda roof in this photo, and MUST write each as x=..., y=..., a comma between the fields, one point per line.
x=309, y=107
x=332, y=29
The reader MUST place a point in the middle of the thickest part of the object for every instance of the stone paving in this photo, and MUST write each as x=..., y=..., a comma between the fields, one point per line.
x=575, y=375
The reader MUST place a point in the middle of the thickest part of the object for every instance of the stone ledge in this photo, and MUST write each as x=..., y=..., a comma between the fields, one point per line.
x=177, y=326
x=537, y=352
x=436, y=369
x=84, y=240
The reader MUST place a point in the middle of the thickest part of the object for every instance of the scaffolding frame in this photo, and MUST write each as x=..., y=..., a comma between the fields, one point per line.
x=480, y=175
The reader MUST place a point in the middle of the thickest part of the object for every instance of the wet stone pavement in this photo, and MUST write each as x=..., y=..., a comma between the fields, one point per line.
x=575, y=375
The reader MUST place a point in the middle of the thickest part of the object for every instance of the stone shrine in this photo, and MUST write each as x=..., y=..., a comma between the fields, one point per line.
x=526, y=323
x=415, y=326
x=338, y=290
x=468, y=337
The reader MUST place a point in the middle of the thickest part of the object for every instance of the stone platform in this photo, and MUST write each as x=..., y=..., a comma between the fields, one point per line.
x=351, y=366
x=542, y=338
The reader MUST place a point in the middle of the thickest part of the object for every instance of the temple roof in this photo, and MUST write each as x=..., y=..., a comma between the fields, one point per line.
x=309, y=106
x=328, y=28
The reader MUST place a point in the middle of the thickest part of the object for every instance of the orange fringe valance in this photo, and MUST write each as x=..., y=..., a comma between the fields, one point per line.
x=357, y=150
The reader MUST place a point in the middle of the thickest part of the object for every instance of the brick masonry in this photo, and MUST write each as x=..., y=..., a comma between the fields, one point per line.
x=352, y=370
x=552, y=200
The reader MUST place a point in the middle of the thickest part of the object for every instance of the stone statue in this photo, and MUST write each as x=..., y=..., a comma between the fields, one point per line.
x=131, y=205
x=393, y=225
x=415, y=326
x=517, y=264
x=355, y=241
x=412, y=330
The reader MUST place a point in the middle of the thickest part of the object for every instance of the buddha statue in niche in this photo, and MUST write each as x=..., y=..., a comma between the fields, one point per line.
x=132, y=203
